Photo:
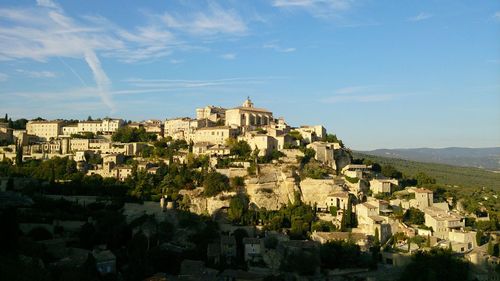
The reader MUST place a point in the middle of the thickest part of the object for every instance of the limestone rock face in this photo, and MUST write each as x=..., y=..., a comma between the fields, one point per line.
x=207, y=205
x=317, y=190
x=342, y=158
x=273, y=187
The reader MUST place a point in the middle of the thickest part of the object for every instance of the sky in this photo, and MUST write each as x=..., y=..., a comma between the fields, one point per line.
x=377, y=73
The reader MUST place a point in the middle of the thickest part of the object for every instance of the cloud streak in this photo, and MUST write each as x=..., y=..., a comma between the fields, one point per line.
x=317, y=8
x=37, y=74
x=228, y=56
x=496, y=16
x=213, y=21
x=46, y=32
x=278, y=48
x=420, y=17
x=360, y=94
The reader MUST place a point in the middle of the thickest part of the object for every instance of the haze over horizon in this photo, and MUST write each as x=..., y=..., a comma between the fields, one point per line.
x=379, y=74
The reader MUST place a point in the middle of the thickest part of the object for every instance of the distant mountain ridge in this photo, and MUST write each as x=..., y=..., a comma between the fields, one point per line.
x=484, y=158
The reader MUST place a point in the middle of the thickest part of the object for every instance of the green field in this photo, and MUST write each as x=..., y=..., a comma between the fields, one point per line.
x=454, y=177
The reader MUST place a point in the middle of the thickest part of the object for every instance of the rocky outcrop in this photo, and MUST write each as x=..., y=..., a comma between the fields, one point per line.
x=200, y=204
x=273, y=187
x=342, y=158
x=316, y=191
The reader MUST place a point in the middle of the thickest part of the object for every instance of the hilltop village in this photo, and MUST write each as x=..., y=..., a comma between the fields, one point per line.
x=233, y=194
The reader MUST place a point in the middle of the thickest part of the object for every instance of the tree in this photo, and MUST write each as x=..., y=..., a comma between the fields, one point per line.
x=314, y=170
x=414, y=216
x=340, y=254
x=391, y=172
x=436, y=264
x=239, y=148
x=376, y=240
x=237, y=207
x=333, y=210
x=19, y=155
x=343, y=222
x=424, y=179
x=214, y=183
x=325, y=226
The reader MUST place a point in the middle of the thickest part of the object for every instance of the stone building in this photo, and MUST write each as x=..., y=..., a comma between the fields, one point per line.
x=212, y=113
x=312, y=133
x=383, y=185
x=104, y=126
x=180, y=128
x=264, y=143
x=215, y=135
x=6, y=133
x=443, y=222
x=44, y=130
x=423, y=197
x=248, y=115
x=324, y=152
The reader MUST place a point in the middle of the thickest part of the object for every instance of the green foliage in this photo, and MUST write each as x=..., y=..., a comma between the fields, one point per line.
x=261, y=131
x=240, y=148
x=127, y=134
x=271, y=242
x=493, y=248
x=423, y=179
x=84, y=135
x=237, y=208
x=314, y=170
x=436, y=264
x=296, y=135
x=298, y=217
x=303, y=262
x=252, y=170
x=237, y=182
x=454, y=177
x=333, y=138
x=215, y=183
x=351, y=180
x=274, y=155
x=93, y=158
x=333, y=210
x=340, y=254
x=325, y=226
x=414, y=216
x=391, y=172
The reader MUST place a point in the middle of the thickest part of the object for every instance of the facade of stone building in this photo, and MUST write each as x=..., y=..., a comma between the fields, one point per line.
x=248, y=115
x=45, y=130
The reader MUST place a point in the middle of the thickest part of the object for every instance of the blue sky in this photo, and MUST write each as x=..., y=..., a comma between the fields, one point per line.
x=379, y=74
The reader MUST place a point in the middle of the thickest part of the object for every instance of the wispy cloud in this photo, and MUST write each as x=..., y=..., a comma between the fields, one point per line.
x=48, y=4
x=215, y=20
x=360, y=98
x=496, y=16
x=37, y=74
x=351, y=90
x=228, y=56
x=420, y=17
x=47, y=32
x=176, y=61
x=333, y=4
x=363, y=94
x=317, y=8
x=3, y=77
x=274, y=46
x=138, y=84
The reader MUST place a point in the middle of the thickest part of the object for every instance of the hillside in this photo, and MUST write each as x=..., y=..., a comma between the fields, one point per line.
x=486, y=158
x=454, y=177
